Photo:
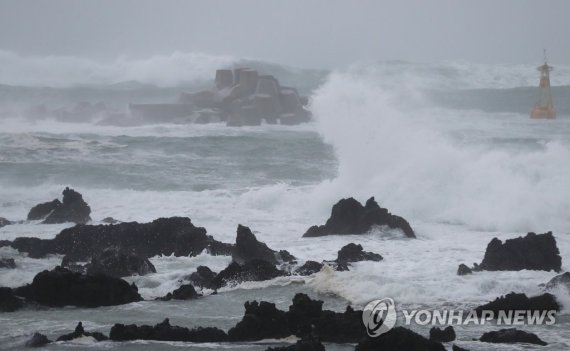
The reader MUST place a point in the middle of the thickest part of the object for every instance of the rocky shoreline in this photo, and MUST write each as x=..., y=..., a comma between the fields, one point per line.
x=113, y=251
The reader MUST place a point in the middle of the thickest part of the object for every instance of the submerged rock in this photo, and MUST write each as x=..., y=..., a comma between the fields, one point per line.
x=164, y=236
x=184, y=292
x=255, y=270
x=4, y=222
x=165, y=332
x=43, y=210
x=110, y=220
x=464, y=270
x=118, y=263
x=61, y=287
x=354, y=253
x=348, y=216
x=72, y=209
x=80, y=332
x=9, y=302
x=309, y=267
x=306, y=344
x=457, y=348
x=533, y=252
x=516, y=302
x=37, y=340
x=7, y=263
x=399, y=339
x=248, y=248
x=510, y=336
x=559, y=280
x=439, y=335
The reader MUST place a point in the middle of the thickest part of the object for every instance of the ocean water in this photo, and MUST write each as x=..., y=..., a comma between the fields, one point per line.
x=448, y=146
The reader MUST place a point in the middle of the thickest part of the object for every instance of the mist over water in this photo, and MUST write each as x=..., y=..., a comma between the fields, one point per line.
x=487, y=171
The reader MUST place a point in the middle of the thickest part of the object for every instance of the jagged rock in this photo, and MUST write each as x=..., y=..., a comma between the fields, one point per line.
x=202, y=277
x=115, y=262
x=4, y=222
x=73, y=209
x=286, y=257
x=165, y=332
x=534, y=252
x=305, y=318
x=8, y=301
x=442, y=335
x=255, y=270
x=37, y=340
x=309, y=267
x=348, y=216
x=307, y=344
x=164, y=236
x=110, y=220
x=354, y=253
x=559, y=280
x=515, y=302
x=510, y=336
x=184, y=292
x=248, y=248
x=43, y=210
x=464, y=270
x=399, y=339
x=7, y=263
x=80, y=332
x=62, y=287
x=261, y=321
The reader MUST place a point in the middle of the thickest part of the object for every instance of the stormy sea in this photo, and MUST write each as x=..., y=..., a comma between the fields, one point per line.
x=449, y=147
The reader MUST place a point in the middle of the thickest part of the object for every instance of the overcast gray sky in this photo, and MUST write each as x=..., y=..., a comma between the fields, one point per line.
x=319, y=33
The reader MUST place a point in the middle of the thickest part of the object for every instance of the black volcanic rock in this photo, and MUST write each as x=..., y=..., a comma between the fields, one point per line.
x=80, y=332
x=261, y=321
x=4, y=222
x=202, y=277
x=399, y=339
x=37, y=340
x=348, y=216
x=7, y=263
x=184, y=292
x=286, y=257
x=165, y=332
x=61, y=287
x=8, y=301
x=510, y=336
x=354, y=253
x=560, y=280
x=119, y=263
x=464, y=270
x=309, y=267
x=43, y=210
x=255, y=270
x=533, y=252
x=514, y=302
x=164, y=236
x=442, y=335
x=248, y=248
x=73, y=209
